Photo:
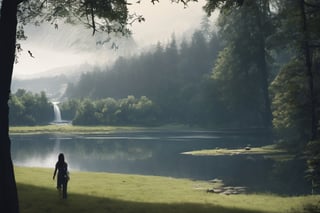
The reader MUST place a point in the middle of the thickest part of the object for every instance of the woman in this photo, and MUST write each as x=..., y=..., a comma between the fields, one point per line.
x=63, y=175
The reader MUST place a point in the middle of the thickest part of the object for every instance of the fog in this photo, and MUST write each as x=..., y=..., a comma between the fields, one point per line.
x=71, y=46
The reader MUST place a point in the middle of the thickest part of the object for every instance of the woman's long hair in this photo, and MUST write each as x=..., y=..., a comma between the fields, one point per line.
x=61, y=160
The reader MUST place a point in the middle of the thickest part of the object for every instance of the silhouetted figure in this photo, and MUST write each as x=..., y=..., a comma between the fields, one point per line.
x=63, y=175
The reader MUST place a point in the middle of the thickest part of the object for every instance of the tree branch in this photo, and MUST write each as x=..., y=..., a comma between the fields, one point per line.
x=93, y=22
x=20, y=1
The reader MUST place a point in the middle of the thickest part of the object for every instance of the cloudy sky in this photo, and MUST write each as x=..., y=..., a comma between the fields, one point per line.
x=70, y=46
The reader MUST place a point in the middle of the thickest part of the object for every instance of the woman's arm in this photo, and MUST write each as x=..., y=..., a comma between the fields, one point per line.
x=55, y=171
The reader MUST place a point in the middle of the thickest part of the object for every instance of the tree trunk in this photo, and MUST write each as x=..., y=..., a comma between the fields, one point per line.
x=308, y=63
x=262, y=64
x=267, y=118
x=8, y=24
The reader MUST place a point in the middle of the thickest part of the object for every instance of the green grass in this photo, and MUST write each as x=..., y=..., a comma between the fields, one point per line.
x=107, y=192
x=68, y=129
x=270, y=151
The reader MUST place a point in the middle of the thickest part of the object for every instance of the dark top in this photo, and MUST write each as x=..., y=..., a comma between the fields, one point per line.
x=62, y=168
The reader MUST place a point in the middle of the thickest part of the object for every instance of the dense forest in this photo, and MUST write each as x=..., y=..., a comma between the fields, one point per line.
x=27, y=108
x=176, y=78
x=258, y=68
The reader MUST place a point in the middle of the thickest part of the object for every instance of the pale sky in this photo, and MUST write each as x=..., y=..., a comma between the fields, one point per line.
x=69, y=47
x=164, y=18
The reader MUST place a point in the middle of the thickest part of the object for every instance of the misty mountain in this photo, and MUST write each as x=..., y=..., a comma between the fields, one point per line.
x=53, y=82
x=54, y=87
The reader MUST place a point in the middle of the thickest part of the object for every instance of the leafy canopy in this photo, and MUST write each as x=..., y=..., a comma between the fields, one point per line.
x=109, y=16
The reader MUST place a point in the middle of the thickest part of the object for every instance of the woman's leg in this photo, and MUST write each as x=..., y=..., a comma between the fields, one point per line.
x=64, y=189
x=59, y=183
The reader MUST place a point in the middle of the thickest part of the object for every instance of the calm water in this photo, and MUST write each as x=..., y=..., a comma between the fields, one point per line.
x=159, y=153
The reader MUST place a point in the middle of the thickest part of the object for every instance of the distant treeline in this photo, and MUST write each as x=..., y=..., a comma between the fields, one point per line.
x=109, y=111
x=27, y=108
x=174, y=77
x=30, y=109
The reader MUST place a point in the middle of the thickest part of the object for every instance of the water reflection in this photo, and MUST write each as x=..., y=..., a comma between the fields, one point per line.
x=32, y=153
x=158, y=153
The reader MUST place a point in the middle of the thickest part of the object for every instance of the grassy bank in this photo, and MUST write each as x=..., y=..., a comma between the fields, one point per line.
x=270, y=151
x=106, y=192
x=68, y=129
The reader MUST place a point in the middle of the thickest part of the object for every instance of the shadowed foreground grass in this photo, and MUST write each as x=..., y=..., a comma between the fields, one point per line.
x=106, y=192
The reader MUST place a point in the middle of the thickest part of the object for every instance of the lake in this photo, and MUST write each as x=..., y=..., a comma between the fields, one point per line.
x=159, y=153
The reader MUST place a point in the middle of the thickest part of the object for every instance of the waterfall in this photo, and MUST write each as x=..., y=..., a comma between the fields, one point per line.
x=57, y=113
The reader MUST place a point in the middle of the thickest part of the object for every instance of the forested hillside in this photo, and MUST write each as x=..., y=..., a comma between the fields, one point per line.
x=175, y=77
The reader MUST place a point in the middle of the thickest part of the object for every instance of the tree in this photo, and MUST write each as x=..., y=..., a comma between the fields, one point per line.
x=299, y=31
x=291, y=107
x=241, y=71
x=86, y=113
x=69, y=108
x=307, y=17
x=29, y=109
x=8, y=22
x=310, y=39
x=296, y=91
x=100, y=16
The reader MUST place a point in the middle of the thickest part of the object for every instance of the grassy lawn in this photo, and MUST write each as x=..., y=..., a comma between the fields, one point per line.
x=108, y=192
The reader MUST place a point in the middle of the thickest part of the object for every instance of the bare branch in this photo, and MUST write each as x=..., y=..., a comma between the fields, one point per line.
x=93, y=22
x=154, y=1
x=135, y=17
x=20, y=1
